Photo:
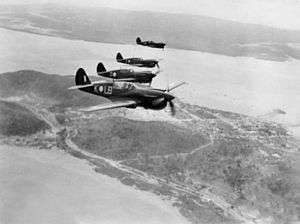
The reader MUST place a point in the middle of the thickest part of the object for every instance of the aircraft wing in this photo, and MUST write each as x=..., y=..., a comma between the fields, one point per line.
x=110, y=105
x=81, y=86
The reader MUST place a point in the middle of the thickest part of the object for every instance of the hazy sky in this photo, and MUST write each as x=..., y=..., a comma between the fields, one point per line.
x=278, y=13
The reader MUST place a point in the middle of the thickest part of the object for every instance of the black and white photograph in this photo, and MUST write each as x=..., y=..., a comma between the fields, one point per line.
x=149, y=112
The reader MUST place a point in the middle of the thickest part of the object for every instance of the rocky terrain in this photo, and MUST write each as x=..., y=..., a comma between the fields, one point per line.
x=191, y=32
x=215, y=166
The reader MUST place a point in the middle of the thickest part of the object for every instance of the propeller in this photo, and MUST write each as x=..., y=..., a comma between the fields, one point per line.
x=169, y=97
x=157, y=71
x=153, y=75
x=150, y=83
x=172, y=107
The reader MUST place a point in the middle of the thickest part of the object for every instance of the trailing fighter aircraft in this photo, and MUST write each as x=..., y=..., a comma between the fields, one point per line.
x=140, y=62
x=150, y=43
x=127, y=75
x=125, y=94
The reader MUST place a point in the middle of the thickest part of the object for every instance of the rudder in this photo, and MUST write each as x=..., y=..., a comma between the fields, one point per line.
x=119, y=56
x=81, y=77
x=100, y=68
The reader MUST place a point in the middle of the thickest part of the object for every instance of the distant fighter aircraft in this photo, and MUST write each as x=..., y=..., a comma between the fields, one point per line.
x=127, y=75
x=124, y=94
x=140, y=62
x=150, y=43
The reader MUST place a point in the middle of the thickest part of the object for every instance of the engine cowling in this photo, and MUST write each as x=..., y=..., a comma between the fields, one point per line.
x=131, y=106
x=158, y=104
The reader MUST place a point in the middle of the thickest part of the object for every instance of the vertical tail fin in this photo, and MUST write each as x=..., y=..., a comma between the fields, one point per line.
x=81, y=77
x=100, y=68
x=138, y=40
x=119, y=56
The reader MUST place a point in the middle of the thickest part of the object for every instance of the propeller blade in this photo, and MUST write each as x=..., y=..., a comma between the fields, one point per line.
x=150, y=83
x=174, y=86
x=157, y=72
x=172, y=106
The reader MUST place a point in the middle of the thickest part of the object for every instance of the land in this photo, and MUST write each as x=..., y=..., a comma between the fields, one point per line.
x=18, y=120
x=214, y=166
x=190, y=32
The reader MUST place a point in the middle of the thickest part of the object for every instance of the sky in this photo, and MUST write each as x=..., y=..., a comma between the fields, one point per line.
x=276, y=13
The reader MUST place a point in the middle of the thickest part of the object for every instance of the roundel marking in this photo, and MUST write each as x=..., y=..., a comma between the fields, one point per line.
x=100, y=89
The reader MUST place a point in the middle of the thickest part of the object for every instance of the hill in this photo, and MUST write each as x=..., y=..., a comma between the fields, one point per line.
x=52, y=90
x=16, y=120
x=120, y=138
x=191, y=32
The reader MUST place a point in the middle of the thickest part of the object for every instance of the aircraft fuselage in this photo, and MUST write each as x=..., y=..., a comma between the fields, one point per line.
x=152, y=44
x=149, y=63
x=136, y=76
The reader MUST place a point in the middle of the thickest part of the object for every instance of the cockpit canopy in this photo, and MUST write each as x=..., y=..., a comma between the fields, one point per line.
x=124, y=85
x=125, y=71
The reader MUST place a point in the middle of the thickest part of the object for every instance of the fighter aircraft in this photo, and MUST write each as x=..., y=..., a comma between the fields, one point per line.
x=125, y=94
x=140, y=62
x=127, y=75
x=150, y=43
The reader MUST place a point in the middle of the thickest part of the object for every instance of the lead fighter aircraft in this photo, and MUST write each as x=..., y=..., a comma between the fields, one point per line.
x=125, y=94
x=150, y=43
x=140, y=62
